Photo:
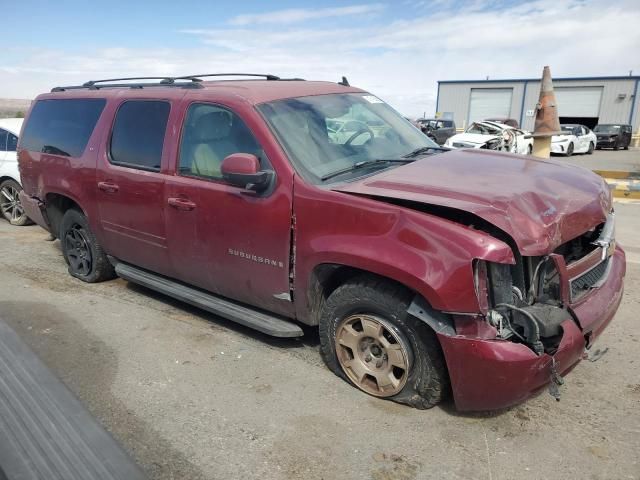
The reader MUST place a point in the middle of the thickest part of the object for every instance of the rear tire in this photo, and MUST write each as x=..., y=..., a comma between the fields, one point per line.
x=401, y=361
x=591, y=148
x=10, y=205
x=86, y=259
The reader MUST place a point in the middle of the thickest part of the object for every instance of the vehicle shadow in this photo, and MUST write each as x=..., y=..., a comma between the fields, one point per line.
x=309, y=340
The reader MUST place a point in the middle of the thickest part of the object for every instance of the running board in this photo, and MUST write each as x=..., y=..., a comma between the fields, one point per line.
x=249, y=317
x=45, y=432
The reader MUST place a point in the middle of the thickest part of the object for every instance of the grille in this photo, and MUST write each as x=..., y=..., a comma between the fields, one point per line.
x=581, y=284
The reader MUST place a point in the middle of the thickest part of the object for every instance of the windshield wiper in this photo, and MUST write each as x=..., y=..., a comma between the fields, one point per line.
x=421, y=150
x=364, y=164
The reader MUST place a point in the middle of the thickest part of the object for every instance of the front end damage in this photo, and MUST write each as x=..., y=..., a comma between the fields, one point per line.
x=539, y=316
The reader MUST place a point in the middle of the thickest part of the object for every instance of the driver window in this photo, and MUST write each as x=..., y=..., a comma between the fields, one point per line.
x=210, y=134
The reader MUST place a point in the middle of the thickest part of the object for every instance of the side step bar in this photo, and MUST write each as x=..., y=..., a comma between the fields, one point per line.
x=45, y=432
x=247, y=316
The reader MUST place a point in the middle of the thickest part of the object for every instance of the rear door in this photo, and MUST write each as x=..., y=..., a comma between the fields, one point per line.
x=130, y=184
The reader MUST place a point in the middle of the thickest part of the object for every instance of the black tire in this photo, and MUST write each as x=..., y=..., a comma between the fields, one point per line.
x=10, y=206
x=86, y=259
x=591, y=148
x=529, y=149
x=569, y=150
x=427, y=381
x=626, y=147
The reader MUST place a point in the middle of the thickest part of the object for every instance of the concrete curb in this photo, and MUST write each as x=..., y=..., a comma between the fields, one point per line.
x=622, y=184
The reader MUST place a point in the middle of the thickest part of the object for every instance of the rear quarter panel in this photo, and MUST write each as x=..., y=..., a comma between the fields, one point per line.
x=73, y=177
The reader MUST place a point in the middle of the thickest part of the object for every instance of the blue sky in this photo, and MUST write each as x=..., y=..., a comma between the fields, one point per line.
x=397, y=49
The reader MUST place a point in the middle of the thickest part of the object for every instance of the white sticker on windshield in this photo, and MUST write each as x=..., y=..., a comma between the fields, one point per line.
x=372, y=99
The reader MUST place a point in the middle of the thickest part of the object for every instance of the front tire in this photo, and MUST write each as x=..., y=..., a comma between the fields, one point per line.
x=10, y=205
x=591, y=148
x=529, y=149
x=368, y=339
x=569, y=150
x=86, y=259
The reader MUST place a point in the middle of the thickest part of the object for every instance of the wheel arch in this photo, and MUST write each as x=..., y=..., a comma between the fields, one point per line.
x=326, y=277
x=56, y=205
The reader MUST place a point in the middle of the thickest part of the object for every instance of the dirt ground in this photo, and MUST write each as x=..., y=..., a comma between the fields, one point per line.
x=191, y=396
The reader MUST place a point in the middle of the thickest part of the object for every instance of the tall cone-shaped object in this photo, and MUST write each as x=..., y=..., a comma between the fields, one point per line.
x=547, y=121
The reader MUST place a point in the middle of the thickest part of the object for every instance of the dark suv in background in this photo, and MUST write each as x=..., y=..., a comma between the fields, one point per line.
x=437, y=129
x=613, y=135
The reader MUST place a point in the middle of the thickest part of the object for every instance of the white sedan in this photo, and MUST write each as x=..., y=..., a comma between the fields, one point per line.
x=492, y=136
x=10, y=206
x=578, y=139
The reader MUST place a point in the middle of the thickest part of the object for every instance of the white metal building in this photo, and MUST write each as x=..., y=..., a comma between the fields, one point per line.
x=587, y=101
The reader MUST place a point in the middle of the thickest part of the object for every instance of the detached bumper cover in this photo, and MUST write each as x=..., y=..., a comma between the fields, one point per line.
x=32, y=208
x=494, y=374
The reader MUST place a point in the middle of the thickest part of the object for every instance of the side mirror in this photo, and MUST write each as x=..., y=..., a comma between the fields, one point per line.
x=243, y=170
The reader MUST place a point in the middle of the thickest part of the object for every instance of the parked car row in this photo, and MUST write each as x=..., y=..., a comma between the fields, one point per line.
x=504, y=134
x=10, y=186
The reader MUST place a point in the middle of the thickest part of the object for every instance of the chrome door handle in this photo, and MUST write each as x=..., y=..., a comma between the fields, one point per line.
x=181, y=203
x=108, y=187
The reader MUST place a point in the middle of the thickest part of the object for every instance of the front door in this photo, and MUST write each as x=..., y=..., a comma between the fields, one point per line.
x=130, y=186
x=223, y=238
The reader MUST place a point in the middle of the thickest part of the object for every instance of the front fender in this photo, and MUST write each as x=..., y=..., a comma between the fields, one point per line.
x=428, y=254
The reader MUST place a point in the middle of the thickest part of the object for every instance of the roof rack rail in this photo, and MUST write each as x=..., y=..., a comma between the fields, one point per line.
x=195, y=80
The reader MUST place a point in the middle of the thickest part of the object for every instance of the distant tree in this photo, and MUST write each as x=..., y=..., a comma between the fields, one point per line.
x=19, y=114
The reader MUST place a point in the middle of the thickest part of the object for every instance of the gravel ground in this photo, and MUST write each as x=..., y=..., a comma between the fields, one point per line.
x=191, y=396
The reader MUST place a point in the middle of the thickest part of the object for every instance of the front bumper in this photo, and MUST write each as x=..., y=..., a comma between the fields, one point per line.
x=559, y=147
x=33, y=208
x=494, y=374
x=606, y=143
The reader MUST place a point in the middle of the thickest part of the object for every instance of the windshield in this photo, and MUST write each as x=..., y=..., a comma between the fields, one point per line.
x=607, y=128
x=324, y=134
x=483, y=129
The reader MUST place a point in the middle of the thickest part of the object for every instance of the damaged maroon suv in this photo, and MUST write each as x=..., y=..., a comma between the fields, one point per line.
x=280, y=202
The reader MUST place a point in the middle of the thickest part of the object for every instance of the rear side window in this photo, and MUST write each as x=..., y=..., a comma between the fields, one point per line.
x=138, y=134
x=61, y=127
x=3, y=140
x=12, y=143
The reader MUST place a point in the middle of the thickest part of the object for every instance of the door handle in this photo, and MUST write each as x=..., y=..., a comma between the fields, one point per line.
x=108, y=187
x=181, y=203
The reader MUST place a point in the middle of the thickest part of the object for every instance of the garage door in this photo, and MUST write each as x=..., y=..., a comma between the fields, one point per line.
x=578, y=101
x=489, y=102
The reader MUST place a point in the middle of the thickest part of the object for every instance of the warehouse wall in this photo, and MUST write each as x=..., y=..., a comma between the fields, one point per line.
x=612, y=109
x=454, y=97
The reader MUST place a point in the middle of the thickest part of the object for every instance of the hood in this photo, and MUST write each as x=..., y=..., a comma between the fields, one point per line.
x=540, y=204
x=476, y=138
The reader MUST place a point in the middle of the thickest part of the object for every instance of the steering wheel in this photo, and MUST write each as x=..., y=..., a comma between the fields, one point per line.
x=364, y=128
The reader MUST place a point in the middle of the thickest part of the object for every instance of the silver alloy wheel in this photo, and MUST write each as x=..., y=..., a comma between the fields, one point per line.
x=10, y=205
x=373, y=354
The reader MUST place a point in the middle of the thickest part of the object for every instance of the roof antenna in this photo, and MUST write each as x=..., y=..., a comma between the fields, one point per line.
x=344, y=82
